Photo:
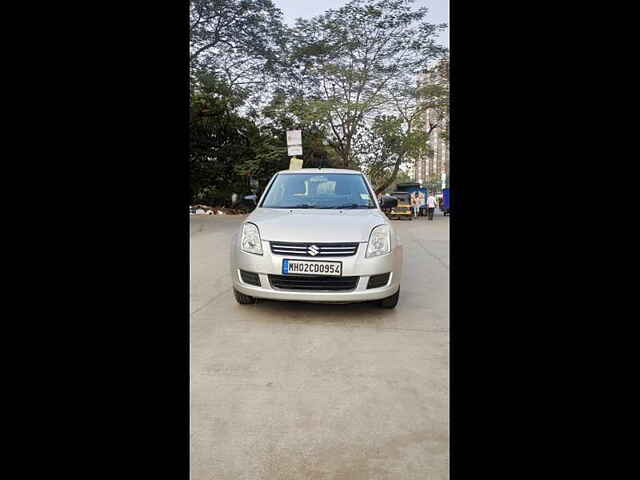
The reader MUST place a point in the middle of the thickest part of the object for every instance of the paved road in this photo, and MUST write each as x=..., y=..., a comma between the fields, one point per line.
x=308, y=391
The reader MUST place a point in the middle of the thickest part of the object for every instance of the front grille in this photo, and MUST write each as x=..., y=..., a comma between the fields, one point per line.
x=322, y=249
x=376, y=281
x=250, y=277
x=304, y=282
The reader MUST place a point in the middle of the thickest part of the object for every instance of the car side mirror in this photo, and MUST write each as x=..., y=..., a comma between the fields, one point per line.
x=389, y=202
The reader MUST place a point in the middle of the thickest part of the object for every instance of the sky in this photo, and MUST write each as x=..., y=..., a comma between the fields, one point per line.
x=292, y=9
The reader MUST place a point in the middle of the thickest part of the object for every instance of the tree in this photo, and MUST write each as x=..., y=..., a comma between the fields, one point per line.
x=350, y=59
x=387, y=145
x=236, y=50
x=403, y=136
x=397, y=139
x=216, y=142
x=239, y=41
x=226, y=147
x=343, y=81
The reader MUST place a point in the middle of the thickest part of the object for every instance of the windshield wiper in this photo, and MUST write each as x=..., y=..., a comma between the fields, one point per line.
x=350, y=205
x=304, y=205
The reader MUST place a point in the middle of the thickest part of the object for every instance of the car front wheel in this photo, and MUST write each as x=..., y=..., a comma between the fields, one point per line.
x=392, y=301
x=243, y=299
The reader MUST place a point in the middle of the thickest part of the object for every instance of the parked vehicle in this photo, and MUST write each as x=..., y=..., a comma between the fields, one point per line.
x=387, y=203
x=446, y=210
x=412, y=188
x=317, y=235
x=403, y=208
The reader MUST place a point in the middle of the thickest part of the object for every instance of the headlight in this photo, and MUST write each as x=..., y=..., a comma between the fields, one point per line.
x=379, y=241
x=250, y=241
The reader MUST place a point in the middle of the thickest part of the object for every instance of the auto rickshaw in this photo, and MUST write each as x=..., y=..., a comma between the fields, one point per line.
x=403, y=209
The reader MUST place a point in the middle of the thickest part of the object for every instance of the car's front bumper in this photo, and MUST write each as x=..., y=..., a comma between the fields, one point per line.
x=356, y=265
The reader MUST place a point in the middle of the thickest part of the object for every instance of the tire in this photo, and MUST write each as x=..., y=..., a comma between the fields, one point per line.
x=392, y=301
x=243, y=299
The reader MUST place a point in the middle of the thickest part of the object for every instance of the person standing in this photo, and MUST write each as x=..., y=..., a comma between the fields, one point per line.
x=431, y=205
x=421, y=203
x=414, y=204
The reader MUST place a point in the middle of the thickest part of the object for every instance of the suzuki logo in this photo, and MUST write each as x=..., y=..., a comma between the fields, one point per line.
x=313, y=250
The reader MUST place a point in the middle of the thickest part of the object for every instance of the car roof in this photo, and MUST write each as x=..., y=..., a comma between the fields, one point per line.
x=321, y=170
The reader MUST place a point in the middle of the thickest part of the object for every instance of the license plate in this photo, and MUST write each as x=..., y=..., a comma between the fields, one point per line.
x=311, y=267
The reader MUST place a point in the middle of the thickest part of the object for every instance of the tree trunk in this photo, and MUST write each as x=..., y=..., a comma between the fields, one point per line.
x=393, y=176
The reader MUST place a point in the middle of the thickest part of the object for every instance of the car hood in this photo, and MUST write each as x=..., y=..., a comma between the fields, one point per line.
x=286, y=225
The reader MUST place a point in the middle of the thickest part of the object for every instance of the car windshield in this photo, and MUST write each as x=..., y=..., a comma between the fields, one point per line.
x=319, y=190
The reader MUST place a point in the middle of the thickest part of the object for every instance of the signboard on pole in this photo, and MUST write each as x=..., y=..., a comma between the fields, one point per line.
x=294, y=137
x=294, y=150
x=294, y=142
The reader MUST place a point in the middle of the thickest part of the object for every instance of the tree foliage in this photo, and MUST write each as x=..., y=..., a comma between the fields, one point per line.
x=402, y=136
x=239, y=41
x=218, y=139
x=346, y=78
x=235, y=50
x=353, y=62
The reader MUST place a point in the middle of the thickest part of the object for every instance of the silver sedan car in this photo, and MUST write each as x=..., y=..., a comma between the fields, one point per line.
x=317, y=235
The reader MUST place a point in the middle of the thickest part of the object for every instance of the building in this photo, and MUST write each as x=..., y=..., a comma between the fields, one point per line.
x=436, y=163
